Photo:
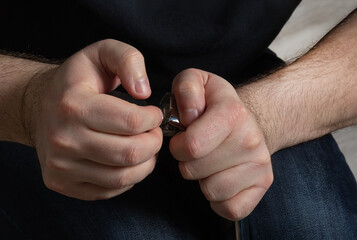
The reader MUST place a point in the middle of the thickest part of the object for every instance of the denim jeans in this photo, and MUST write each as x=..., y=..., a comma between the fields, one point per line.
x=314, y=196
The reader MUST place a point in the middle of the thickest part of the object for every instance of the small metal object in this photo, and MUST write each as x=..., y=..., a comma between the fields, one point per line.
x=237, y=230
x=171, y=123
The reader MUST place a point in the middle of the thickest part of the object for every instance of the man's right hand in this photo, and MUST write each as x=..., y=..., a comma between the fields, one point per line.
x=92, y=145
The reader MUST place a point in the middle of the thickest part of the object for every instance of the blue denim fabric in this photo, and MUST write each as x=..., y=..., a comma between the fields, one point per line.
x=314, y=196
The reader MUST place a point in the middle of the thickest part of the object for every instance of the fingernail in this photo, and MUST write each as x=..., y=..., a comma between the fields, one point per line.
x=142, y=86
x=190, y=115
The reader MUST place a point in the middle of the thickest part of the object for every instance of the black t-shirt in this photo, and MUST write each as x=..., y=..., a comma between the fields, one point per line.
x=226, y=37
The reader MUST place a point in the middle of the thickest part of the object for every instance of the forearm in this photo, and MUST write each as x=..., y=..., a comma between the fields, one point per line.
x=15, y=76
x=311, y=97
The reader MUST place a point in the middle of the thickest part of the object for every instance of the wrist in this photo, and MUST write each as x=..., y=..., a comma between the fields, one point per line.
x=311, y=97
x=254, y=102
x=31, y=100
x=16, y=77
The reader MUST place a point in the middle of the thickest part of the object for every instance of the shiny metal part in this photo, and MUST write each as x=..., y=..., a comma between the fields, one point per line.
x=171, y=122
x=237, y=230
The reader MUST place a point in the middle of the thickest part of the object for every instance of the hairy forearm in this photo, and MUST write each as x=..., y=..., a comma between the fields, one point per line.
x=15, y=76
x=311, y=97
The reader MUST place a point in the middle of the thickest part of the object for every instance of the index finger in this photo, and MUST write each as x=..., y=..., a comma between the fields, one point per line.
x=208, y=131
x=202, y=136
x=105, y=113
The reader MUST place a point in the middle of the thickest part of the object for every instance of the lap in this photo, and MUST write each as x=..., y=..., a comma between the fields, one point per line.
x=313, y=196
x=163, y=206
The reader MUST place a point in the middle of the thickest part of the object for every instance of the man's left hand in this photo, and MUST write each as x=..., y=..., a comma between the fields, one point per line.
x=223, y=147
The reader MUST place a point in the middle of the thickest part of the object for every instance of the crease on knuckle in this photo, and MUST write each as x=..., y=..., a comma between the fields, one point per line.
x=208, y=191
x=60, y=141
x=52, y=163
x=134, y=122
x=187, y=171
x=131, y=157
x=188, y=88
x=193, y=148
x=121, y=180
x=238, y=212
x=68, y=107
x=131, y=56
x=233, y=211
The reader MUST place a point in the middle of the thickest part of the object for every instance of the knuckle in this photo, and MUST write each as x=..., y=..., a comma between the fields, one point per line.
x=208, y=191
x=190, y=72
x=158, y=143
x=54, y=164
x=233, y=212
x=267, y=180
x=188, y=88
x=263, y=157
x=68, y=107
x=252, y=140
x=151, y=163
x=50, y=162
x=187, y=171
x=52, y=184
x=60, y=141
x=121, y=180
x=131, y=56
x=132, y=155
x=238, y=212
x=193, y=148
x=152, y=167
x=134, y=122
x=108, y=41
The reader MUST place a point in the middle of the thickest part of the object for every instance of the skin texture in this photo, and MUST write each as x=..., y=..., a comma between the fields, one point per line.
x=82, y=151
x=231, y=133
x=224, y=148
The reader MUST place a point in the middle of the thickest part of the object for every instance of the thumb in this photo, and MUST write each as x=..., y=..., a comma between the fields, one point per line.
x=188, y=89
x=124, y=62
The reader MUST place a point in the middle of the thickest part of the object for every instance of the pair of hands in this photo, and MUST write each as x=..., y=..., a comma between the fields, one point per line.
x=94, y=146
